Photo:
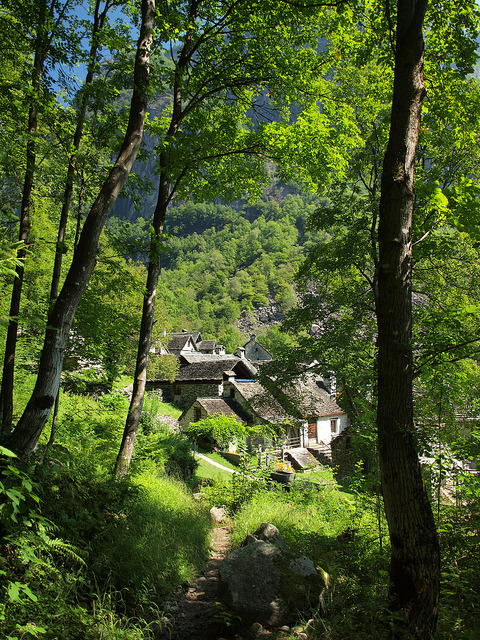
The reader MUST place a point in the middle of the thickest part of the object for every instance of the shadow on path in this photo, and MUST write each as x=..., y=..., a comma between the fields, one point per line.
x=193, y=617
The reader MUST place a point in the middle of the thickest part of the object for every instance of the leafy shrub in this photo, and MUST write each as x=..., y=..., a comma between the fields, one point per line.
x=234, y=492
x=217, y=430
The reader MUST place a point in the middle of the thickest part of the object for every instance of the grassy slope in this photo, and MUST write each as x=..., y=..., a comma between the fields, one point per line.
x=141, y=539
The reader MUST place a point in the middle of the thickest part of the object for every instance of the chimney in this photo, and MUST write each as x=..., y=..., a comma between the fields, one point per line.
x=331, y=385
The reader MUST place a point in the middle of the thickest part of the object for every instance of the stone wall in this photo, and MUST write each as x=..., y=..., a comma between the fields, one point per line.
x=342, y=455
x=189, y=416
x=234, y=458
x=182, y=394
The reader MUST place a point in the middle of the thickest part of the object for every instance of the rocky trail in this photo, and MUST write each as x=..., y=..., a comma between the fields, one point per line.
x=195, y=614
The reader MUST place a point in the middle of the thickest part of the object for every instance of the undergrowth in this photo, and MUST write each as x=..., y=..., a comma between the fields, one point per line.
x=87, y=557
x=83, y=556
x=343, y=536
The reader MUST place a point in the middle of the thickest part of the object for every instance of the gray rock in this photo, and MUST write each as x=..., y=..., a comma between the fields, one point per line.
x=256, y=628
x=218, y=514
x=302, y=566
x=264, y=582
x=268, y=533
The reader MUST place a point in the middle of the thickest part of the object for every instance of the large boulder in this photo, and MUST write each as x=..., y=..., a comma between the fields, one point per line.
x=264, y=582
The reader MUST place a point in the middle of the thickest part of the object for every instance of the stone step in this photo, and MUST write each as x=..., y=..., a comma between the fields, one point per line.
x=322, y=453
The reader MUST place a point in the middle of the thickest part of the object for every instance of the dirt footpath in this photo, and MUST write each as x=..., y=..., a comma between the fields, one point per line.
x=195, y=616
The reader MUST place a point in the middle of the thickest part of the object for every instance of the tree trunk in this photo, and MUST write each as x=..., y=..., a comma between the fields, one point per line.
x=25, y=437
x=98, y=22
x=140, y=379
x=415, y=556
x=165, y=194
x=78, y=226
x=6, y=393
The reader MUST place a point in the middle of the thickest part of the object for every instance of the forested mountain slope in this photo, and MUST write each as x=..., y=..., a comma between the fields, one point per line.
x=224, y=260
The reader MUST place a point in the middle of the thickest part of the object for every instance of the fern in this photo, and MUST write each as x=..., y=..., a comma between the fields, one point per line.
x=61, y=548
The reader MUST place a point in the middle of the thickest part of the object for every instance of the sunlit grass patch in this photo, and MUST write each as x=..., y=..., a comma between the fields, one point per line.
x=207, y=471
x=162, y=539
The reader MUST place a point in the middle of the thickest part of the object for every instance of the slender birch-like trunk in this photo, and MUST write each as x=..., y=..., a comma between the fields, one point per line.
x=6, y=393
x=165, y=194
x=140, y=379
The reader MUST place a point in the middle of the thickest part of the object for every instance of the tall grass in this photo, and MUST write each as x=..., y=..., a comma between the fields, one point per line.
x=303, y=517
x=339, y=533
x=158, y=542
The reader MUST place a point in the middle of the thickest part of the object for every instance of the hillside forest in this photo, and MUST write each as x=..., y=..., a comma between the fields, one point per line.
x=308, y=172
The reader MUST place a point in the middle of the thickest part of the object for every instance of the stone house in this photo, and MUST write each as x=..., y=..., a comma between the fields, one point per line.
x=245, y=400
x=254, y=351
x=310, y=417
x=201, y=376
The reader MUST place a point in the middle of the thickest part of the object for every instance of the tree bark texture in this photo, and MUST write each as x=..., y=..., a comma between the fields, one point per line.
x=27, y=432
x=6, y=393
x=165, y=193
x=415, y=556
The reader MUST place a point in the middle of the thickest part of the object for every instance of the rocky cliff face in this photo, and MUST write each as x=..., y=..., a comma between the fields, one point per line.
x=266, y=316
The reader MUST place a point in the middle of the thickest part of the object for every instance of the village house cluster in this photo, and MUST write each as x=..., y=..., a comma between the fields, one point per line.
x=209, y=381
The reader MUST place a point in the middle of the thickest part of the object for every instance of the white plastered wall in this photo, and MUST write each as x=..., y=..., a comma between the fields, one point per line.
x=324, y=432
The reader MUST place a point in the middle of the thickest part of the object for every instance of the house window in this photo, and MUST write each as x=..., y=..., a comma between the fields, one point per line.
x=177, y=389
x=232, y=392
x=197, y=414
x=334, y=425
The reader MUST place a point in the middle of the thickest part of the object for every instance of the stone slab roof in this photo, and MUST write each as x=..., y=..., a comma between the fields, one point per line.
x=202, y=371
x=209, y=357
x=194, y=335
x=311, y=399
x=206, y=344
x=261, y=401
x=178, y=342
x=199, y=367
x=302, y=399
x=225, y=406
